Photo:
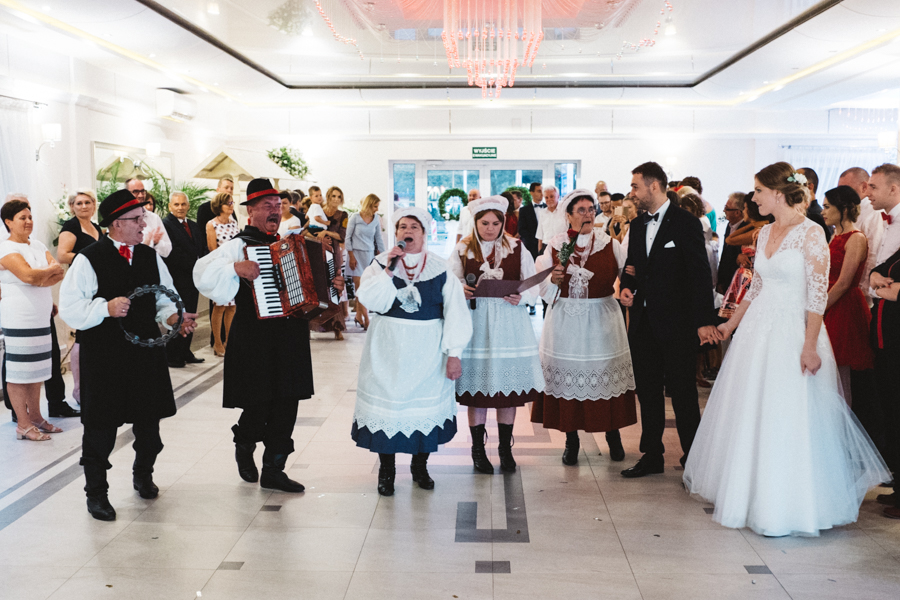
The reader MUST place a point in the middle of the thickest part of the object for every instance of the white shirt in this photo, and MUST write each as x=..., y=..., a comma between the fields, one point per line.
x=316, y=210
x=890, y=241
x=80, y=310
x=466, y=222
x=292, y=223
x=653, y=226
x=872, y=226
x=24, y=306
x=551, y=224
x=601, y=220
x=154, y=223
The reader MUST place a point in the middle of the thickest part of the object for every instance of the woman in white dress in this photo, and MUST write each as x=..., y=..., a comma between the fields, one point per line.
x=778, y=450
x=501, y=365
x=405, y=398
x=219, y=230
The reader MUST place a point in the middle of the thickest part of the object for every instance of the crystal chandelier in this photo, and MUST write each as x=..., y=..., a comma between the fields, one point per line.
x=491, y=39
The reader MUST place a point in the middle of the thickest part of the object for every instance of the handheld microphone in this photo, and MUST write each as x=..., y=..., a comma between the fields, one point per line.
x=470, y=281
x=402, y=245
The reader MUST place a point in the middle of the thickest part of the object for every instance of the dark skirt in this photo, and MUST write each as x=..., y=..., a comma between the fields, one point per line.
x=589, y=415
x=417, y=443
x=479, y=400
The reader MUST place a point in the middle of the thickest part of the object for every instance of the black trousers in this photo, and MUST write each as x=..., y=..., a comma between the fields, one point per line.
x=55, y=387
x=97, y=443
x=664, y=365
x=179, y=347
x=272, y=425
x=887, y=362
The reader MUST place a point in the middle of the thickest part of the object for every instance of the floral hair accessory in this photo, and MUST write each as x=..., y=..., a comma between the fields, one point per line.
x=797, y=178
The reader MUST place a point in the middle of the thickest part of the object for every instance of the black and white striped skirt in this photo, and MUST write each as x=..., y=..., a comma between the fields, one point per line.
x=27, y=355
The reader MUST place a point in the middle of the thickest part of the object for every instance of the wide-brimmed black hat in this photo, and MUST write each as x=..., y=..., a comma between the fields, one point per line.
x=116, y=205
x=257, y=189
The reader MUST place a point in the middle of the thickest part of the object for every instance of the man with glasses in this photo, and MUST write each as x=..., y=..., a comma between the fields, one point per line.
x=734, y=214
x=606, y=212
x=155, y=234
x=121, y=382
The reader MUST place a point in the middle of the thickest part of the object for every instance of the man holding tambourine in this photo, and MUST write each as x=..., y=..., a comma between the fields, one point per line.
x=116, y=293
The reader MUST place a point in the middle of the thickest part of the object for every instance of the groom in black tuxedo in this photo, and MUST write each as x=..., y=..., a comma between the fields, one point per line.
x=668, y=286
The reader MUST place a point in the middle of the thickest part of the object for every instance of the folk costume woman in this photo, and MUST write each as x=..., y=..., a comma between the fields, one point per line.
x=584, y=346
x=405, y=399
x=501, y=367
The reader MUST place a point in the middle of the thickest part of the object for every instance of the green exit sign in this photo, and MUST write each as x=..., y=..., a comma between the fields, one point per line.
x=484, y=152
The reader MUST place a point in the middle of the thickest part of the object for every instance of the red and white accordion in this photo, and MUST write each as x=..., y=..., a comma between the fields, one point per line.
x=295, y=279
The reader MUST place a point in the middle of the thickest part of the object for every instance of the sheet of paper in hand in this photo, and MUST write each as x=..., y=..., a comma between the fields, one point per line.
x=499, y=288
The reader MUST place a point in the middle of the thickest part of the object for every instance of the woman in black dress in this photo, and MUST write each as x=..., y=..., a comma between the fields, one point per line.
x=78, y=233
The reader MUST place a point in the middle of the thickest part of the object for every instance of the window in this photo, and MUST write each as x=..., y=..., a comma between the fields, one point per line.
x=441, y=180
x=405, y=184
x=565, y=177
x=501, y=179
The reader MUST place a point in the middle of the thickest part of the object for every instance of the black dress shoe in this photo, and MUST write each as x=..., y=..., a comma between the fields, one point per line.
x=614, y=440
x=193, y=360
x=145, y=487
x=278, y=480
x=642, y=469
x=101, y=509
x=887, y=499
x=63, y=411
x=176, y=364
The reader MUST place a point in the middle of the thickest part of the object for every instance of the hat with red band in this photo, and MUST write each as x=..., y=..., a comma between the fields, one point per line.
x=259, y=188
x=117, y=204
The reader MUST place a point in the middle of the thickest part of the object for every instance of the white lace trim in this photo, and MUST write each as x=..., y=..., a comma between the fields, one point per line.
x=406, y=426
x=433, y=267
x=569, y=380
x=501, y=376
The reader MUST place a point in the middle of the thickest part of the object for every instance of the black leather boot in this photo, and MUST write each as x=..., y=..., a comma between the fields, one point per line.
x=419, y=469
x=243, y=454
x=507, y=462
x=96, y=489
x=570, y=454
x=479, y=455
x=386, y=474
x=273, y=475
x=614, y=441
x=143, y=476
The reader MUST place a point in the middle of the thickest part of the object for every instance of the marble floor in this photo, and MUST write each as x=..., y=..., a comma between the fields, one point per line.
x=547, y=531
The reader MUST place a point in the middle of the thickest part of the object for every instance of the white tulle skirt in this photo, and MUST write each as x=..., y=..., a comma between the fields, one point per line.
x=779, y=451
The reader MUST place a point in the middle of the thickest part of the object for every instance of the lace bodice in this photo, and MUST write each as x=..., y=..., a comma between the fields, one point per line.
x=797, y=272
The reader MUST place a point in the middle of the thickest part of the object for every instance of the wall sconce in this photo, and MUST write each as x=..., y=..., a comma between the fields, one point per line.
x=52, y=133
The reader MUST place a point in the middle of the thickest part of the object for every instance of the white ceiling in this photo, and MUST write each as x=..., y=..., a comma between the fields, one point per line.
x=848, y=52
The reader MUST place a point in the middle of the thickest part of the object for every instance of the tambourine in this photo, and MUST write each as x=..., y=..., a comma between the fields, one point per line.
x=176, y=328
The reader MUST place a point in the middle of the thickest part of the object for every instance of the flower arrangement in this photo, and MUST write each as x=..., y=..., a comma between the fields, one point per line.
x=61, y=212
x=568, y=249
x=290, y=160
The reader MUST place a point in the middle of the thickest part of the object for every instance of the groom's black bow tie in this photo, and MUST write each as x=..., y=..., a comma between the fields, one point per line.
x=648, y=217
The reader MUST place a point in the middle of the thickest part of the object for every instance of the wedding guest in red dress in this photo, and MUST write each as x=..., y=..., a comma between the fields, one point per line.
x=846, y=314
x=511, y=224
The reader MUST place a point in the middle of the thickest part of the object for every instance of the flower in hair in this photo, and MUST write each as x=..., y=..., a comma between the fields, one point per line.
x=797, y=178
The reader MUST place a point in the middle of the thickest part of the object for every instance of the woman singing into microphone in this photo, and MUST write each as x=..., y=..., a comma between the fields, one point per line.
x=405, y=398
x=501, y=366
x=584, y=346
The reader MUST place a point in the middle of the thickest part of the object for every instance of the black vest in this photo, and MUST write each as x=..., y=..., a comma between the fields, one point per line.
x=120, y=381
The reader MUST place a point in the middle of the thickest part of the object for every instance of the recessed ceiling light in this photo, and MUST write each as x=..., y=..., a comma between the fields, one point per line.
x=212, y=8
x=765, y=82
x=152, y=55
x=46, y=9
x=881, y=30
x=216, y=83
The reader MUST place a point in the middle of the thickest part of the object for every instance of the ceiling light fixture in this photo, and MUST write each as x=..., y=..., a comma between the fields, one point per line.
x=650, y=40
x=485, y=39
x=212, y=8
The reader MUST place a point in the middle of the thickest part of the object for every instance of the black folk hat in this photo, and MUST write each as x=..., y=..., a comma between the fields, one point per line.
x=117, y=204
x=257, y=189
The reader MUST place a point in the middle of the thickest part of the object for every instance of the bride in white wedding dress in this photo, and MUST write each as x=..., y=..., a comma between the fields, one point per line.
x=778, y=450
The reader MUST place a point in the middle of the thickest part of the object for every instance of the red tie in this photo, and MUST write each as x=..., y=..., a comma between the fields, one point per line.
x=125, y=251
x=887, y=217
x=187, y=227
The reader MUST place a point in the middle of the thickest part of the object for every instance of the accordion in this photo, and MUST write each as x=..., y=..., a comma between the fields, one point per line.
x=295, y=279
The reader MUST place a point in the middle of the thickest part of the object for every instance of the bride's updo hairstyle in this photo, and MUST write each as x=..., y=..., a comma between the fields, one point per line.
x=775, y=177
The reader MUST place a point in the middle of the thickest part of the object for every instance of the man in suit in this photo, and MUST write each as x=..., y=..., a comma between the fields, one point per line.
x=188, y=244
x=668, y=286
x=734, y=213
x=814, y=210
x=204, y=211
